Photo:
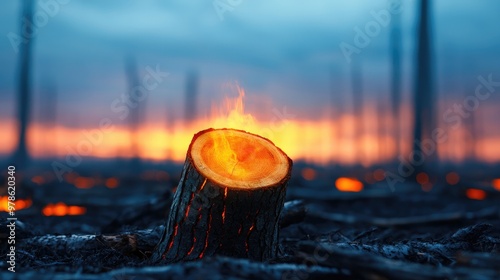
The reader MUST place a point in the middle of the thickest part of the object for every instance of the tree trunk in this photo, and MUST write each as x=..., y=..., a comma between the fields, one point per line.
x=229, y=199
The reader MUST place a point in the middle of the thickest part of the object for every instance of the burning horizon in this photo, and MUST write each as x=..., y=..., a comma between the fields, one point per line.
x=321, y=141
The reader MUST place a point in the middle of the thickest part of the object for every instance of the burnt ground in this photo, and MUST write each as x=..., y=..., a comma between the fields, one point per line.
x=374, y=234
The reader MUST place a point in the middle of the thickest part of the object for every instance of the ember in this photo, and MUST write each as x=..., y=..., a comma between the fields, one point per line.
x=19, y=203
x=61, y=209
x=344, y=184
x=476, y=194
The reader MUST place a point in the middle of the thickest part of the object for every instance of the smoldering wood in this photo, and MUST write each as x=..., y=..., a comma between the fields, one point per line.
x=207, y=219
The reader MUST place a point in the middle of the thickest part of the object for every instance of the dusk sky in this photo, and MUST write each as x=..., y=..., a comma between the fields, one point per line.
x=284, y=53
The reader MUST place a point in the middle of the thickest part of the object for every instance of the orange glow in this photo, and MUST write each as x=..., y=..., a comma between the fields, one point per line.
x=38, y=180
x=476, y=194
x=84, y=182
x=308, y=173
x=452, y=178
x=348, y=184
x=61, y=209
x=18, y=204
x=379, y=174
x=301, y=137
x=496, y=184
x=238, y=159
x=422, y=178
x=112, y=183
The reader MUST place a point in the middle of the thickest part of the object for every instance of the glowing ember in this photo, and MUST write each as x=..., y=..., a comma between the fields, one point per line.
x=476, y=194
x=452, y=178
x=496, y=184
x=422, y=178
x=61, y=209
x=379, y=174
x=84, y=182
x=19, y=204
x=112, y=183
x=308, y=173
x=348, y=184
x=38, y=180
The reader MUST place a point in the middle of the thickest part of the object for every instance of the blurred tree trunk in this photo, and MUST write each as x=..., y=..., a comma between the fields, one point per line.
x=357, y=108
x=136, y=113
x=395, y=51
x=424, y=99
x=21, y=155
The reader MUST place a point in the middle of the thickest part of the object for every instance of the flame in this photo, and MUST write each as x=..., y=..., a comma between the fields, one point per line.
x=61, y=209
x=345, y=184
x=18, y=204
x=475, y=194
x=496, y=184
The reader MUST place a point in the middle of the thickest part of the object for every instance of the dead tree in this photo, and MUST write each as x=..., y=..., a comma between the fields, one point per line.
x=395, y=50
x=229, y=199
x=135, y=113
x=21, y=155
x=424, y=102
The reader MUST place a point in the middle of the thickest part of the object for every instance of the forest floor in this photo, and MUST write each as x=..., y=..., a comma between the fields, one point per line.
x=373, y=234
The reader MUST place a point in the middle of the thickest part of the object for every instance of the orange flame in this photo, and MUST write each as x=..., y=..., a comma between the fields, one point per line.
x=61, y=209
x=18, y=204
x=345, y=184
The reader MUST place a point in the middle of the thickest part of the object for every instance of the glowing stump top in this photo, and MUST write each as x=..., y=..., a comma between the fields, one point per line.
x=238, y=159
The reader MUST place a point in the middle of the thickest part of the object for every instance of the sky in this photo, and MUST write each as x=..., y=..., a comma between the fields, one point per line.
x=285, y=53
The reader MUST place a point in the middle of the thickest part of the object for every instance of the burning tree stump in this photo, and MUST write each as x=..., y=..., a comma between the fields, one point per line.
x=229, y=199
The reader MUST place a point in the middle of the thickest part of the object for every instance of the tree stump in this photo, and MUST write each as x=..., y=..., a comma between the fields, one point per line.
x=228, y=200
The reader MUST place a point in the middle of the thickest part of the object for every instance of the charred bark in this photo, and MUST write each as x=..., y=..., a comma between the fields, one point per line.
x=208, y=218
